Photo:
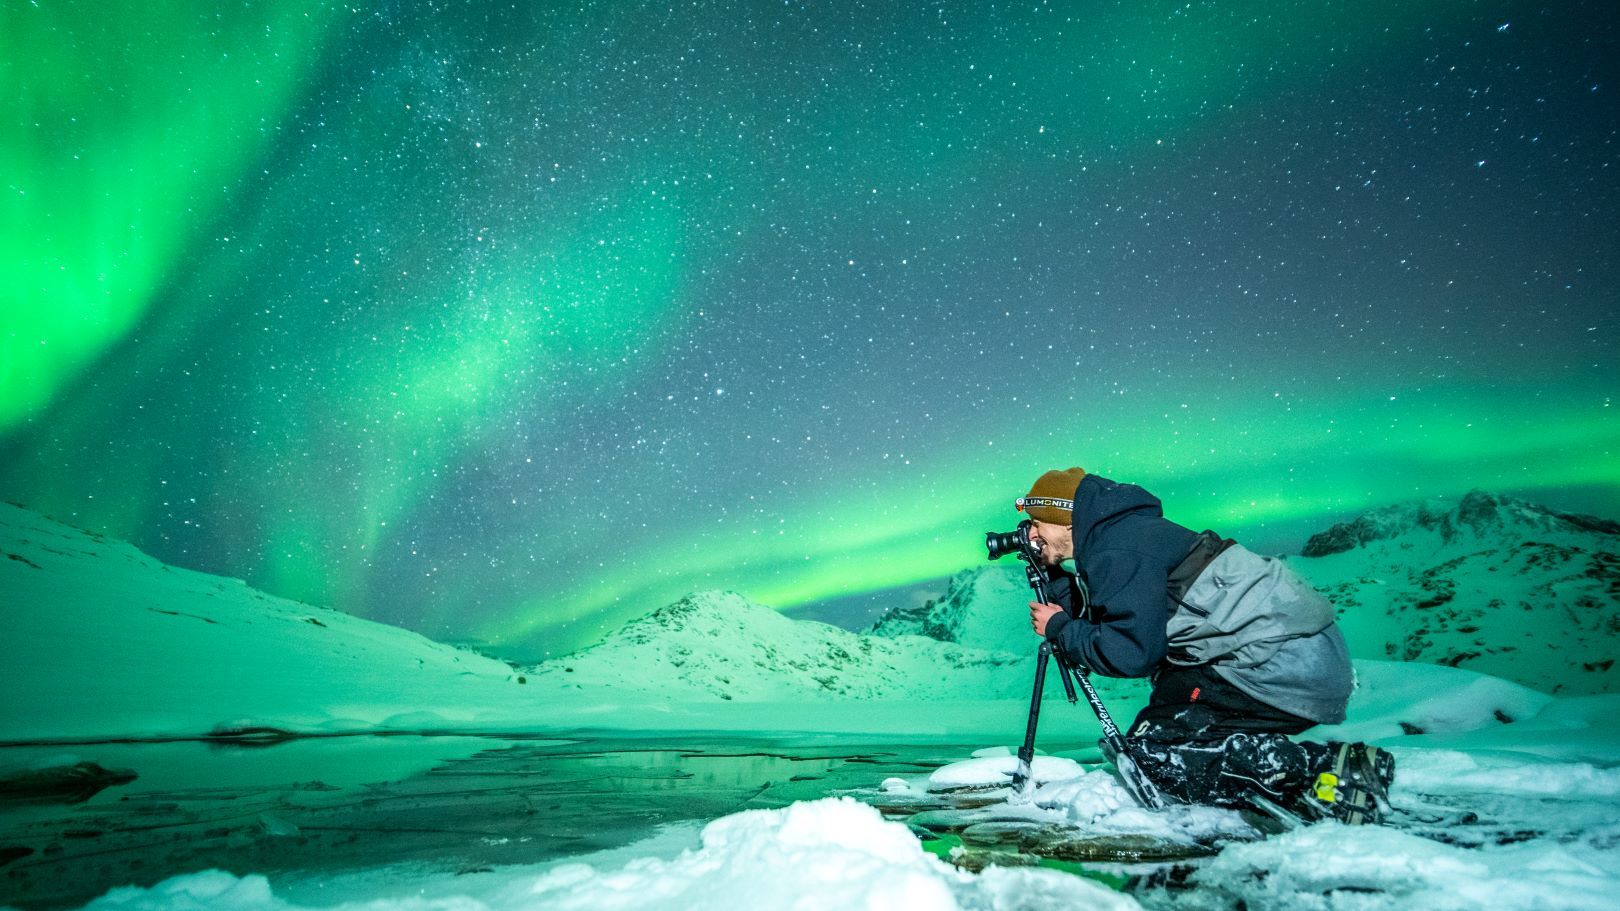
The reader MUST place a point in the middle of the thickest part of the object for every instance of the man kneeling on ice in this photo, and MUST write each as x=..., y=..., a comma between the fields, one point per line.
x=1242, y=652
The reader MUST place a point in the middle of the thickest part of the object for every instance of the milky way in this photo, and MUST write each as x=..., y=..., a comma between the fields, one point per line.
x=509, y=324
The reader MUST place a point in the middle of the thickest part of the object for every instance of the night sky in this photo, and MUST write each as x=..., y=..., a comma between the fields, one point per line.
x=507, y=322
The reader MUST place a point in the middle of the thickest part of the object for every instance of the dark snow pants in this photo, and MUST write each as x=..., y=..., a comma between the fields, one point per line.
x=1204, y=741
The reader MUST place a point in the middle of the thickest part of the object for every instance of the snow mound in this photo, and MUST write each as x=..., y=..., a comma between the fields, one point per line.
x=998, y=770
x=832, y=854
x=835, y=854
x=1393, y=698
x=1096, y=803
x=1456, y=772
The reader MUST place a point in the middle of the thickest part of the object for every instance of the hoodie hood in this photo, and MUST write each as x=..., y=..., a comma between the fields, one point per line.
x=1099, y=502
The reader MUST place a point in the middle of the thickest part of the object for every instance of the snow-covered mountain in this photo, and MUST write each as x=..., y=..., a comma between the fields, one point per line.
x=721, y=646
x=1489, y=583
x=986, y=607
x=100, y=640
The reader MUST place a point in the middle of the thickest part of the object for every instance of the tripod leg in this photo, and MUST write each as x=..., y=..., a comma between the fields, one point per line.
x=1026, y=753
x=1065, y=670
x=1114, y=745
x=1117, y=749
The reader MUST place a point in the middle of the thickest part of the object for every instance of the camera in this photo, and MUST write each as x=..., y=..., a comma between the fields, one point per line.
x=1017, y=541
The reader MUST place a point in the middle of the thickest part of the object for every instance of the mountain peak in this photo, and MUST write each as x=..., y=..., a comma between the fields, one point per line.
x=1479, y=513
x=700, y=614
x=700, y=604
x=984, y=607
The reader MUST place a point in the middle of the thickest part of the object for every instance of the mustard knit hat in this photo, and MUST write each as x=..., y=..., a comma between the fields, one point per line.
x=1049, y=500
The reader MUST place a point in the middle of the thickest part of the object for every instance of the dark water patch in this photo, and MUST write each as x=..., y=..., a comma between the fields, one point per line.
x=75, y=783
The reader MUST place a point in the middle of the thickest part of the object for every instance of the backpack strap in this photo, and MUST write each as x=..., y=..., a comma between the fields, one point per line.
x=1205, y=549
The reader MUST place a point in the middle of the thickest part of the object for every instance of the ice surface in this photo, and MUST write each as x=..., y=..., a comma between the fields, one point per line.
x=830, y=854
x=442, y=804
x=838, y=854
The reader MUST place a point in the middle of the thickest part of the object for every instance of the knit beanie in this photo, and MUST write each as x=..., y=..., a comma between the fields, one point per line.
x=1049, y=500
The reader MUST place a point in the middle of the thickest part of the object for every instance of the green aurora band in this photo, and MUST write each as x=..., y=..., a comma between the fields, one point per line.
x=128, y=126
x=1332, y=461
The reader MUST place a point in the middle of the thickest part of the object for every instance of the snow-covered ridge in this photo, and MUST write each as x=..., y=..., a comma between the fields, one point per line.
x=103, y=641
x=117, y=644
x=721, y=646
x=1479, y=514
x=984, y=607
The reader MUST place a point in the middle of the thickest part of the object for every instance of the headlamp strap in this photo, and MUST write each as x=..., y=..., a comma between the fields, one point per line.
x=1024, y=503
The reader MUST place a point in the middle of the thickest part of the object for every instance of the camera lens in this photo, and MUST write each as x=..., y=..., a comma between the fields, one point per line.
x=999, y=544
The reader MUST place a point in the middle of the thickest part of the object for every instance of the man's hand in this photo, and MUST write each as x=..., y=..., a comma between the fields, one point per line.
x=1039, y=614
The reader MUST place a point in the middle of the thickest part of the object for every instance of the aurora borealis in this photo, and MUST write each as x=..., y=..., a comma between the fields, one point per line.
x=507, y=323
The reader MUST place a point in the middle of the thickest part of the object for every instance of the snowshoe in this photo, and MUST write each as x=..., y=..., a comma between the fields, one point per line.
x=1355, y=788
x=1336, y=798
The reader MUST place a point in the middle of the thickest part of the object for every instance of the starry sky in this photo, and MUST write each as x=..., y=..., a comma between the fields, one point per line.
x=510, y=322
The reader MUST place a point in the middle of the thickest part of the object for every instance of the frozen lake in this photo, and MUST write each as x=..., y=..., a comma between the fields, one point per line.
x=309, y=810
x=399, y=818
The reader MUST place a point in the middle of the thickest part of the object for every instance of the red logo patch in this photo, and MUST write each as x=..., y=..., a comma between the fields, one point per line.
x=1195, y=692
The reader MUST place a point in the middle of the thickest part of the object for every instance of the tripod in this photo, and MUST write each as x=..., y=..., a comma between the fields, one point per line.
x=1114, y=745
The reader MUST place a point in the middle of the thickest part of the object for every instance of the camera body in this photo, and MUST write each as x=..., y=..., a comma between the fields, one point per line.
x=1026, y=548
x=1017, y=541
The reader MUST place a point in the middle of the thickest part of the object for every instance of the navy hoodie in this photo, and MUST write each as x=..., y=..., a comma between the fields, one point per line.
x=1124, y=551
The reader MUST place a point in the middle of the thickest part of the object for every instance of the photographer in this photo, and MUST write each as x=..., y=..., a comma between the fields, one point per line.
x=1241, y=651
